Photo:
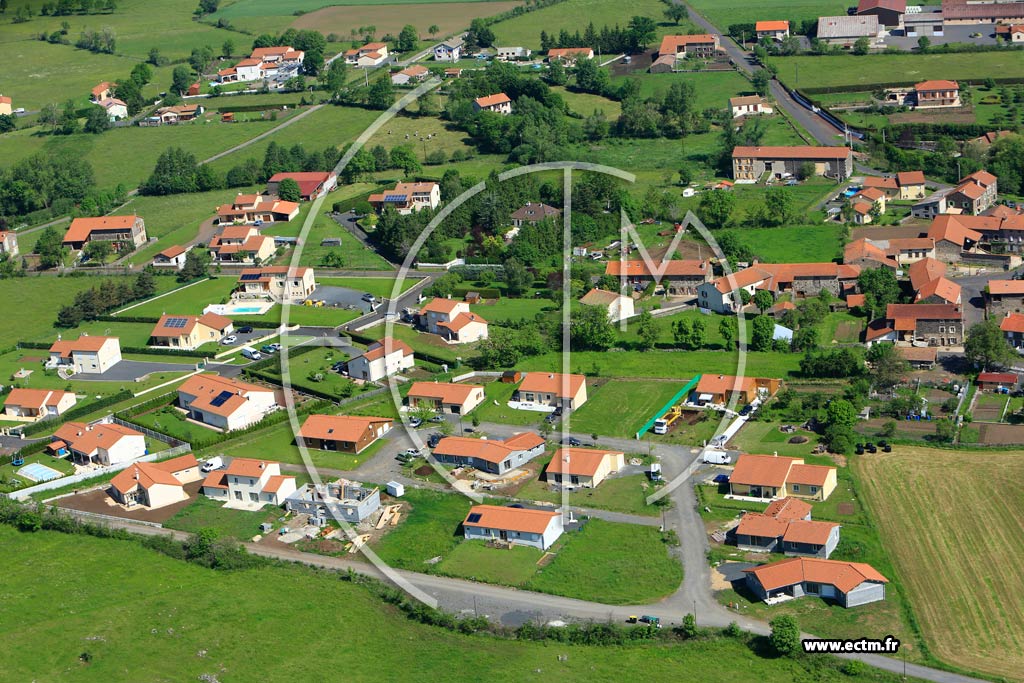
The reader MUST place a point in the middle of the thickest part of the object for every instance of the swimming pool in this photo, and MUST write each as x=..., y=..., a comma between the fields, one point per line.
x=39, y=472
x=239, y=308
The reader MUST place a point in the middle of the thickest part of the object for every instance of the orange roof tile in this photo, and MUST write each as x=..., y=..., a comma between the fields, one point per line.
x=670, y=44
x=88, y=438
x=275, y=482
x=1013, y=323
x=639, y=268
x=439, y=305
x=788, y=509
x=791, y=152
x=942, y=287
x=763, y=470
x=349, y=428
x=491, y=450
x=723, y=384
x=446, y=393
x=206, y=388
x=85, y=343
x=1004, y=287
x=583, y=462
x=907, y=178
x=143, y=474
x=378, y=348
x=510, y=519
x=936, y=85
x=771, y=26
x=762, y=526
x=563, y=386
x=843, y=575
x=461, y=320
x=492, y=100
x=35, y=398
x=1000, y=377
x=884, y=183
x=806, y=531
x=81, y=228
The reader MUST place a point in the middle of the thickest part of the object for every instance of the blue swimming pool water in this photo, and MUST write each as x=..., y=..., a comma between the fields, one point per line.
x=39, y=472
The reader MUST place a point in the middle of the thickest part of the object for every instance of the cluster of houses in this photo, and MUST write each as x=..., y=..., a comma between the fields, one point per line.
x=263, y=63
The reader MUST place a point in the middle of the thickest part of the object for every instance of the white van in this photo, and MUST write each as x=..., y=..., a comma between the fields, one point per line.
x=251, y=353
x=716, y=457
x=214, y=463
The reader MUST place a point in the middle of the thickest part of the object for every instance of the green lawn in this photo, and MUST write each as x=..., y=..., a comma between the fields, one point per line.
x=631, y=402
x=875, y=70
x=354, y=255
x=171, y=603
x=204, y=513
x=502, y=393
x=713, y=88
x=575, y=14
x=9, y=481
x=765, y=438
x=812, y=244
x=474, y=560
x=638, y=572
x=618, y=494
x=46, y=294
x=722, y=13
x=431, y=529
x=312, y=370
x=189, y=300
x=666, y=364
x=586, y=104
x=427, y=343
x=505, y=308
x=172, y=422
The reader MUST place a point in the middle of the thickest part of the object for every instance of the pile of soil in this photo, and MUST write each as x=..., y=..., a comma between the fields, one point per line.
x=423, y=470
x=799, y=439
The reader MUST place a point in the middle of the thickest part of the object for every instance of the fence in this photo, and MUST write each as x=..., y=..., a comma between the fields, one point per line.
x=111, y=518
x=174, y=443
x=471, y=375
x=24, y=493
x=664, y=409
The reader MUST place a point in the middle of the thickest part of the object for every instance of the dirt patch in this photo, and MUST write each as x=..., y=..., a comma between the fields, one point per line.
x=848, y=332
x=957, y=116
x=718, y=580
x=100, y=503
x=450, y=17
x=848, y=509
x=799, y=439
x=31, y=359
x=424, y=470
x=1001, y=434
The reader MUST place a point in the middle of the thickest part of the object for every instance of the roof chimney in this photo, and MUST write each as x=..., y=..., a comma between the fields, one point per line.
x=775, y=454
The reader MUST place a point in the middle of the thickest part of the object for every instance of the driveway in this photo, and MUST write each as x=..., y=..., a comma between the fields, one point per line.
x=953, y=33
x=342, y=297
x=131, y=370
x=971, y=293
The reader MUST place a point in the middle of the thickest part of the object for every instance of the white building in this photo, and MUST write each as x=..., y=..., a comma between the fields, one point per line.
x=173, y=257
x=449, y=50
x=506, y=54
x=382, y=359
x=520, y=526
x=749, y=105
x=453, y=321
x=154, y=484
x=226, y=404
x=499, y=103
x=619, y=306
x=86, y=355
x=115, y=108
x=252, y=482
x=98, y=444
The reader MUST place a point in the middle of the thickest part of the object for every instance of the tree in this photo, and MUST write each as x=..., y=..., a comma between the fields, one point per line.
x=716, y=208
x=840, y=413
x=181, y=79
x=923, y=43
x=3, y=6
x=404, y=157
x=646, y=331
x=945, y=430
x=641, y=31
x=50, y=248
x=698, y=333
x=479, y=34
x=228, y=48
x=887, y=365
x=381, y=94
x=288, y=190
x=785, y=635
x=334, y=79
x=763, y=300
x=8, y=122
x=145, y=284
x=177, y=172
x=98, y=250
x=408, y=38
x=556, y=74
x=589, y=329
x=196, y=264
x=861, y=46
x=761, y=81
x=434, y=29
x=676, y=13
x=97, y=120
x=681, y=333
x=207, y=7
x=880, y=288
x=727, y=330
x=517, y=277
x=763, y=333
x=68, y=119
x=154, y=57
x=805, y=171
x=130, y=92
x=142, y=73
x=986, y=347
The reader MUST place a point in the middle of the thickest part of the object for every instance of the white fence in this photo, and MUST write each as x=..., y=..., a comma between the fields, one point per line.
x=471, y=375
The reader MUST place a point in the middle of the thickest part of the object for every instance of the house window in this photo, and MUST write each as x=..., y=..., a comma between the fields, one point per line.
x=812, y=588
x=796, y=488
x=952, y=329
x=814, y=489
x=942, y=329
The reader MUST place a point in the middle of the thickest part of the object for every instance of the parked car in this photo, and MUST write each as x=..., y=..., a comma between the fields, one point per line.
x=230, y=339
x=415, y=422
x=267, y=348
x=244, y=329
x=746, y=410
x=339, y=366
x=369, y=298
x=275, y=346
x=437, y=418
x=651, y=621
x=251, y=353
x=571, y=441
x=413, y=452
x=434, y=440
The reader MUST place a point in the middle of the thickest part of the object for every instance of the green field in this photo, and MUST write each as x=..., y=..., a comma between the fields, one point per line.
x=812, y=244
x=576, y=14
x=713, y=88
x=665, y=364
x=586, y=104
x=166, y=605
x=501, y=393
x=723, y=13
x=204, y=512
x=876, y=70
x=618, y=494
x=354, y=255
x=631, y=402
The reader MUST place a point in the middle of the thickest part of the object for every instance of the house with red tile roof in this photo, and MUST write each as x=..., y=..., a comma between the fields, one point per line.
x=975, y=193
x=569, y=55
x=406, y=198
x=189, y=332
x=713, y=389
x=677, y=276
x=1005, y=297
x=499, y=103
x=224, y=403
x=98, y=444
x=1013, y=329
x=848, y=584
x=383, y=358
x=936, y=94
x=779, y=529
x=553, y=389
x=8, y=243
x=932, y=324
x=584, y=467
x=517, y=526
x=490, y=455
x=452, y=321
x=312, y=184
x=172, y=257
x=456, y=399
x=750, y=164
x=776, y=30
x=998, y=381
x=410, y=74
x=369, y=55
x=906, y=185
x=954, y=235
x=241, y=244
x=154, y=485
x=749, y=105
x=89, y=355
x=619, y=306
x=249, y=483
x=702, y=45
x=124, y=232
x=343, y=433
x=34, y=404
x=798, y=279
x=772, y=477
x=102, y=91
x=256, y=208
x=276, y=283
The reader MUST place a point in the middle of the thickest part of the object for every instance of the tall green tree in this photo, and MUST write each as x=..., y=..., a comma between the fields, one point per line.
x=880, y=288
x=590, y=330
x=288, y=190
x=986, y=346
x=646, y=331
x=762, y=333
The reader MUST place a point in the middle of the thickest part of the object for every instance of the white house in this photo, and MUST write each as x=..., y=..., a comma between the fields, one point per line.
x=449, y=50
x=277, y=283
x=253, y=483
x=115, y=108
x=584, y=467
x=749, y=105
x=520, y=526
x=173, y=257
x=367, y=56
x=98, y=444
x=499, y=103
x=226, y=404
x=154, y=484
x=407, y=198
x=453, y=321
x=35, y=404
x=619, y=306
x=490, y=455
x=382, y=359
x=776, y=30
x=86, y=355
x=506, y=54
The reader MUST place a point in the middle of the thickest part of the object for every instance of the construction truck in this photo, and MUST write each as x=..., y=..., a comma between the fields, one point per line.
x=662, y=424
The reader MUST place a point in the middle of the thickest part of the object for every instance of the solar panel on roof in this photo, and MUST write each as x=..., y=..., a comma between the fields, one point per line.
x=220, y=398
x=250, y=276
x=176, y=322
x=473, y=518
x=395, y=197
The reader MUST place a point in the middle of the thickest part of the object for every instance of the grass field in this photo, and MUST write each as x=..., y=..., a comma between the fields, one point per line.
x=204, y=512
x=665, y=364
x=713, y=88
x=810, y=244
x=354, y=254
x=631, y=402
x=170, y=607
x=618, y=494
x=501, y=393
x=965, y=611
x=722, y=13
x=449, y=17
x=586, y=104
x=576, y=14
x=875, y=70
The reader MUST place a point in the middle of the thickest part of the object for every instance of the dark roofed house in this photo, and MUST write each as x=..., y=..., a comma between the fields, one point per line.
x=533, y=213
x=889, y=12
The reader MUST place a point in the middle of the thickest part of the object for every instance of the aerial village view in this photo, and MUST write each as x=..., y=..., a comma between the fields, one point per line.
x=512, y=340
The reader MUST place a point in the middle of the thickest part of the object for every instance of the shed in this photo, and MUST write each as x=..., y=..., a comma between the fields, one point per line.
x=473, y=297
x=511, y=377
x=395, y=489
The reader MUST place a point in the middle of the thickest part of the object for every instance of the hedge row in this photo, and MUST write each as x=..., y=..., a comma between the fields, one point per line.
x=152, y=320
x=79, y=411
x=485, y=292
x=141, y=350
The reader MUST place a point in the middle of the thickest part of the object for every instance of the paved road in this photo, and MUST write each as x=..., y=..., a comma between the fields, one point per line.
x=348, y=220
x=131, y=370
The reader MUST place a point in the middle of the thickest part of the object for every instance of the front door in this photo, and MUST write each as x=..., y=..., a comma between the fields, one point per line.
x=503, y=535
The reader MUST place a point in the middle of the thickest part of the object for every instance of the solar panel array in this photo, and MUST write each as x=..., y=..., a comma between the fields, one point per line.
x=220, y=398
x=176, y=322
x=396, y=197
x=250, y=276
x=473, y=518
